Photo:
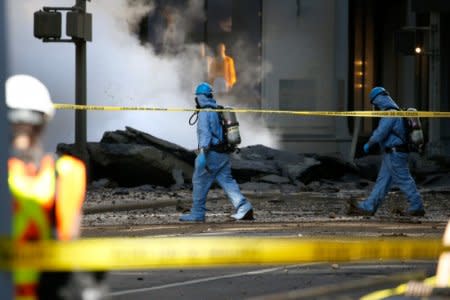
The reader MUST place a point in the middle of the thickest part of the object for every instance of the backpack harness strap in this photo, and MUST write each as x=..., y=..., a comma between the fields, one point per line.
x=221, y=147
x=405, y=142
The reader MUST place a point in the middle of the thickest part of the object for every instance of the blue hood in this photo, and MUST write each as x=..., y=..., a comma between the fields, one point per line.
x=204, y=101
x=390, y=132
x=385, y=102
x=209, y=129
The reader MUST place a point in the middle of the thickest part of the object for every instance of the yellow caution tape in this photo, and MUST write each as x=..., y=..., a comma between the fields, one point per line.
x=399, y=290
x=142, y=253
x=373, y=114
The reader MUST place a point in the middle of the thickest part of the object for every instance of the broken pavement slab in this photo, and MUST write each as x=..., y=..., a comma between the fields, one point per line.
x=129, y=158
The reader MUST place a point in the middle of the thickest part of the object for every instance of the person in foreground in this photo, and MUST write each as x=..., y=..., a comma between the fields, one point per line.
x=213, y=162
x=47, y=193
x=391, y=135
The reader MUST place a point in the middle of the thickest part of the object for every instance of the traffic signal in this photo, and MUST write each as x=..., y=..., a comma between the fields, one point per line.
x=79, y=25
x=47, y=25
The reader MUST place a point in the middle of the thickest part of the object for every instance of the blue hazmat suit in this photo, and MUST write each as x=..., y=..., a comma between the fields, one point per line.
x=218, y=167
x=391, y=132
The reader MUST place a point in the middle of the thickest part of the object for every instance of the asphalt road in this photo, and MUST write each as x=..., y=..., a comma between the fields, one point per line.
x=305, y=281
x=294, y=216
x=313, y=227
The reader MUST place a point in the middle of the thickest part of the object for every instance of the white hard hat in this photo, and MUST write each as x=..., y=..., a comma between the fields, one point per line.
x=26, y=93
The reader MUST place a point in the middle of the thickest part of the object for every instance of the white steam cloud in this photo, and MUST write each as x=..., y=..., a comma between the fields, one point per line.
x=121, y=71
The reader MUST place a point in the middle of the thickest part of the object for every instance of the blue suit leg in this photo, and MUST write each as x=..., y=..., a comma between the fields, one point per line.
x=402, y=177
x=201, y=183
x=381, y=188
x=233, y=192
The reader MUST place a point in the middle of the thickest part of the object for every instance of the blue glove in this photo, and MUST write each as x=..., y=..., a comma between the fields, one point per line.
x=366, y=148
x=200, y=161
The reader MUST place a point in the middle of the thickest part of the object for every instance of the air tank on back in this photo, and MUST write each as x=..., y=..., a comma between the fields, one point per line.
x=231, y=126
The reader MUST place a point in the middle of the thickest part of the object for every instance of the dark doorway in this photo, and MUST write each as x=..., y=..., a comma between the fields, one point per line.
x=445, y=73
x=374, y=60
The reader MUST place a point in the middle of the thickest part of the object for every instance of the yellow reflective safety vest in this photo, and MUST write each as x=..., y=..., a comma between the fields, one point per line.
x=47, y=203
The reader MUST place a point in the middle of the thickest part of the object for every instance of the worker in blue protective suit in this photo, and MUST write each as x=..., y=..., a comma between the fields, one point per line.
x=391, y=135
x=213, y=163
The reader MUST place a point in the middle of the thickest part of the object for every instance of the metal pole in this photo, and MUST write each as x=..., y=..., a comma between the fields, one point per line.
x=435, y=83
x=6, y=285
x=356, y=131
x=80, y=90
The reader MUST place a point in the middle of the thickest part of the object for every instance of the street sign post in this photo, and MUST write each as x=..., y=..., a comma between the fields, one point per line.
x=47, y=26
x=6, y=285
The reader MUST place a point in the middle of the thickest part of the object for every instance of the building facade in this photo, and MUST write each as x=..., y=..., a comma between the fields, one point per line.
x=327, y=55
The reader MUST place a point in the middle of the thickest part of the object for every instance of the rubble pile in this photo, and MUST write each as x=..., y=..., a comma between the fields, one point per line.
x=131, y=158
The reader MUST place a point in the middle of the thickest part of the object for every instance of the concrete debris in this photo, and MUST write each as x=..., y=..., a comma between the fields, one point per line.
x=275, y=179
x=244, y=170
x=103, y=183
x=132, y=158
x=258, y=186
x=134, y=136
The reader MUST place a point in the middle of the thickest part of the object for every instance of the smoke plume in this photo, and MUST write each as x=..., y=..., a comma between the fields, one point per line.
x=121, y=71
